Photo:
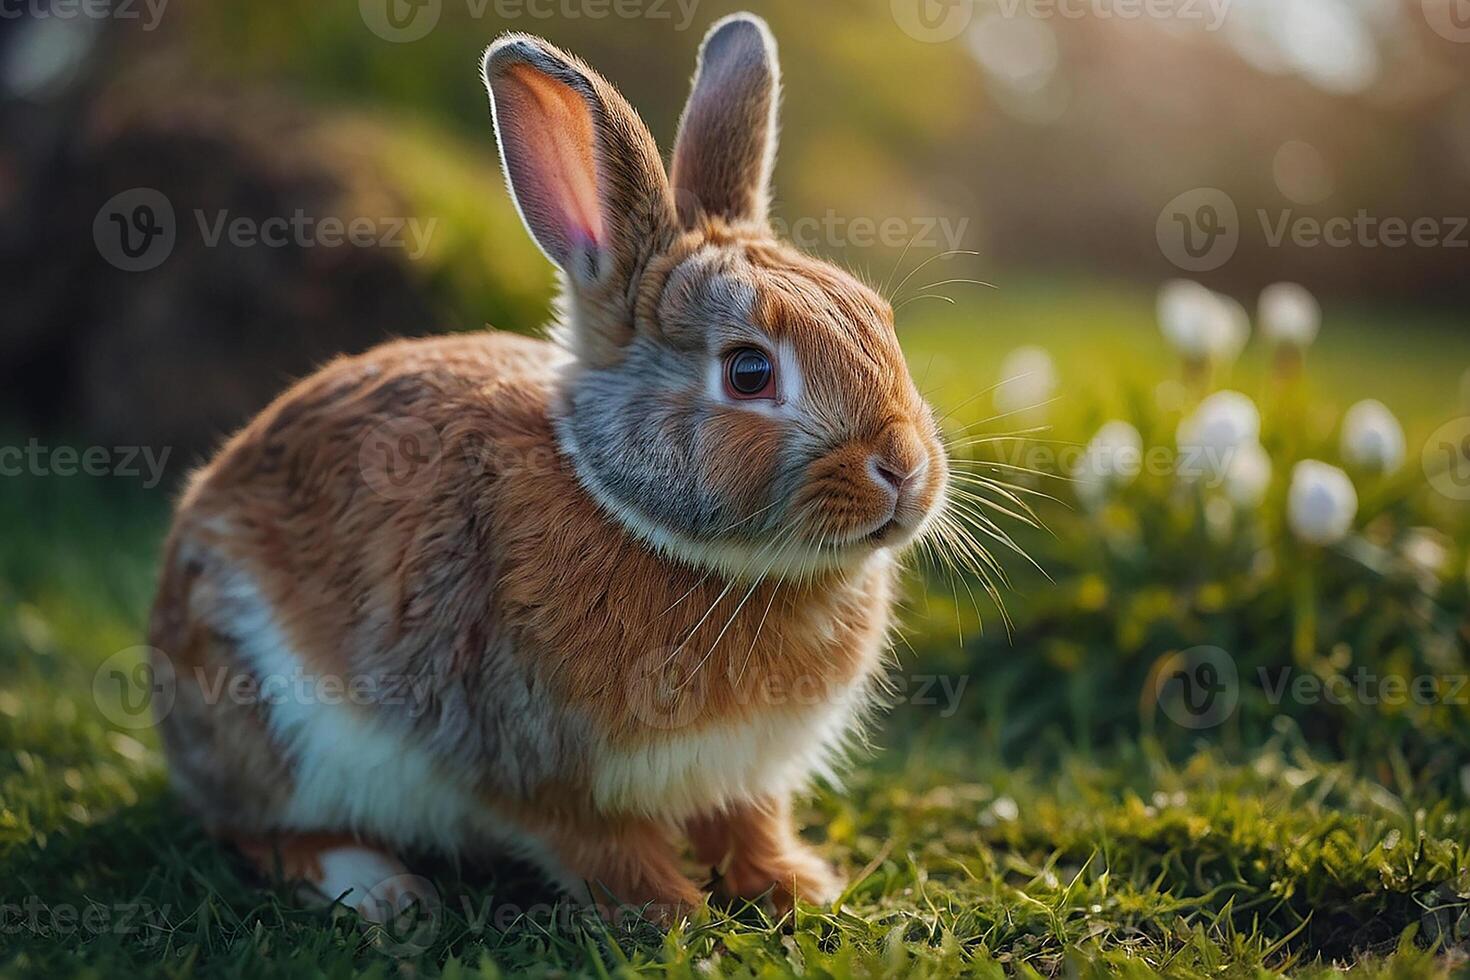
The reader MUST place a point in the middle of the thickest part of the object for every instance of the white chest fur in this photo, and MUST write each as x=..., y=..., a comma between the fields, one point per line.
x=697, y=768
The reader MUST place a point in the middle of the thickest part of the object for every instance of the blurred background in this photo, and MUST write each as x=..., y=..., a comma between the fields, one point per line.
x=1048, y=136
x=1077, y=206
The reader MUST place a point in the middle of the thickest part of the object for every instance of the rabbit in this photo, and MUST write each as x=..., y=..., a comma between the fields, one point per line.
x=578, y=600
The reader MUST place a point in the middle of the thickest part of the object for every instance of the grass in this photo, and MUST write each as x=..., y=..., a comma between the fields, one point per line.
x=1034, y=825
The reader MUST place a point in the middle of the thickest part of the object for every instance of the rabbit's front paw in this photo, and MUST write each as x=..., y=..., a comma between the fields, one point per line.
x=786, y=876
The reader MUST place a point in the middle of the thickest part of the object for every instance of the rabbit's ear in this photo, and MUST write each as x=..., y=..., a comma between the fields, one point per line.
x=586, y=177
x=727, y=136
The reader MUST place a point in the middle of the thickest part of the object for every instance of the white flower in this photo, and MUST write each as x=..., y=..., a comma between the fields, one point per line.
x=1113, y=458
x=1028, y=380
x=1290, y=314
x=1201, y=324
x=1221, y=424
x=1232, y=329
x=1321, y=503
x=1003, y=809
x=1248, y=475
x=1185, y=310
x=1427, y=550
x=1372, y=438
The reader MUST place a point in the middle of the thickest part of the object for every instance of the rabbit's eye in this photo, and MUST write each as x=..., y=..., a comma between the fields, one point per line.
x=749, y=374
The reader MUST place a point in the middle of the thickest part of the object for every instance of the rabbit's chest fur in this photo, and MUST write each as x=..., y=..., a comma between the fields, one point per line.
x=695, y=690
x=543, y=652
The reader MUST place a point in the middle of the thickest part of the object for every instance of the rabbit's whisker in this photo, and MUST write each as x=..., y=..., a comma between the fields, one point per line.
x=962, y=441
x=994, y=530
x=1017, y=468
x=1009, y=490
x=1015, y=411
x=1024, y=516
x=888, y=279
x=949, y=282
x=920, y=296
x=775, y=552
x=948, y=253
x=977, y=395
x=1006, y=491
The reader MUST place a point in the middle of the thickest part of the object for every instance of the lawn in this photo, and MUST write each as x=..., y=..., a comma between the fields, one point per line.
x=1024, y=809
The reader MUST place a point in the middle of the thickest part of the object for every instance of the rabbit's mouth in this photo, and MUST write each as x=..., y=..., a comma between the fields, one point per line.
x=892, y=531
x=886, y=533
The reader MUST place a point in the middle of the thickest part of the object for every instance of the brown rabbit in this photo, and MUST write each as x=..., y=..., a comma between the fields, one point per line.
x=573, y=598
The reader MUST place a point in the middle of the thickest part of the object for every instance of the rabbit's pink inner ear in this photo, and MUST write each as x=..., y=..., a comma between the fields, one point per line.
x=550, y=151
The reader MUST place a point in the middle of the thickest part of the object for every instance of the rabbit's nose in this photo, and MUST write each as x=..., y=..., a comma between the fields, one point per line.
x=899, y=459
x=886, y=473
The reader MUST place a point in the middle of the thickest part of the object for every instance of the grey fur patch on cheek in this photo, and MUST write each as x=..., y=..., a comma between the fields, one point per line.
x=641, y=428
x=636, y=431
